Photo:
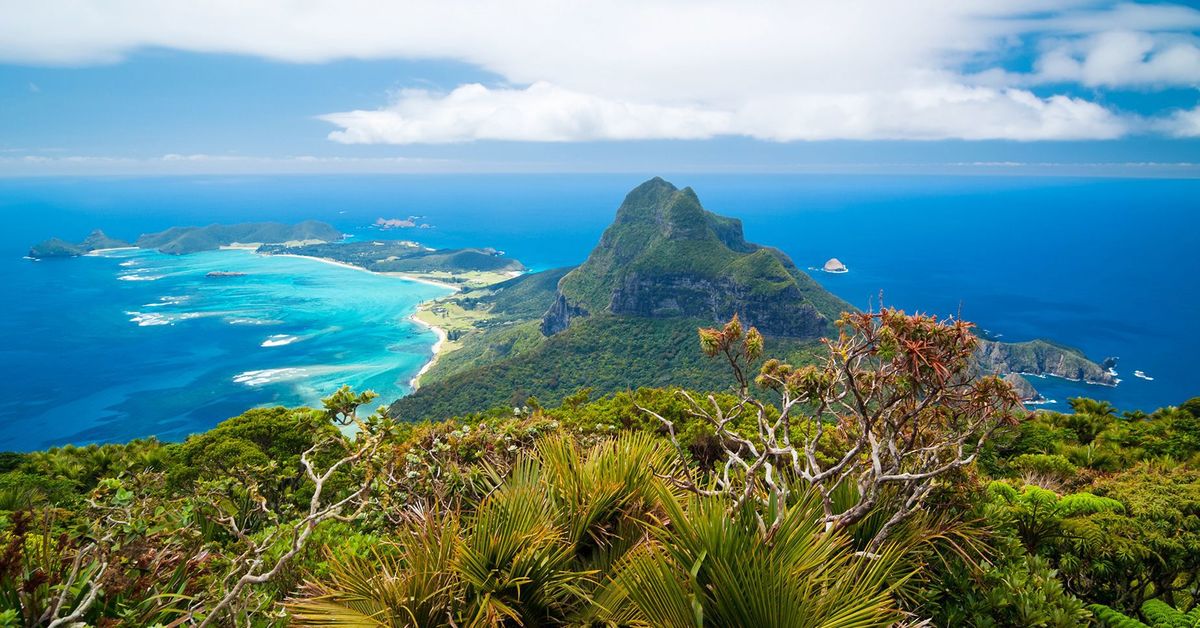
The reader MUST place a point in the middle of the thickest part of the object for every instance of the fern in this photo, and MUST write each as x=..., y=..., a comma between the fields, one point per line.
x=1157, y=613
x=1162, y=615
x=1088, y=504
x=1110, y=618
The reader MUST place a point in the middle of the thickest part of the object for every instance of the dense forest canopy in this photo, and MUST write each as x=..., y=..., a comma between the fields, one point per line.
x=883, y=484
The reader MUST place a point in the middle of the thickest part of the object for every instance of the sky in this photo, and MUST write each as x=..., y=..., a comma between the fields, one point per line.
x=970, y=86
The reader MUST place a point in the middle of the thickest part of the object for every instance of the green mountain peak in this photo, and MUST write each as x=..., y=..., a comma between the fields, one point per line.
x=665, y=256
x=627, y=317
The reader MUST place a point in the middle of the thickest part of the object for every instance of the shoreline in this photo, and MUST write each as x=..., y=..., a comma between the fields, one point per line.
x=406, y=277
x=437, y=348
x=97, y=252
x=1077, y=380
x=442, y=336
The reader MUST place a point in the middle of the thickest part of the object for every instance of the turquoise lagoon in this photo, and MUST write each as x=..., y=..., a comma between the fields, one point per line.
x=134, y=344
x=167, y=350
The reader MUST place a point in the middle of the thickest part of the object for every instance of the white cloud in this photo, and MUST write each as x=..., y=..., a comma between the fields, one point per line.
x=1182, y=123
x=1098, y=17
x=546, y=113
x=930, y=113
x=649, y=69
x=541, y=113
x=1123, y=59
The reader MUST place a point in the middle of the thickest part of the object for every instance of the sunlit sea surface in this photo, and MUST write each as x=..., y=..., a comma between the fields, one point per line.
x=135, y=343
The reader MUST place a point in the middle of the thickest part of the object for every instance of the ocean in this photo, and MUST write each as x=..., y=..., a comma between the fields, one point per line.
x=135, y=343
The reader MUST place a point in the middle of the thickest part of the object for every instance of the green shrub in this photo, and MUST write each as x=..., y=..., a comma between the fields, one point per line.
x=1158, y=614
x=1051, y=466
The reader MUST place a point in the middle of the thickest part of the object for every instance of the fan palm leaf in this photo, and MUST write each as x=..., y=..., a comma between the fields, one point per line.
x=711, y=567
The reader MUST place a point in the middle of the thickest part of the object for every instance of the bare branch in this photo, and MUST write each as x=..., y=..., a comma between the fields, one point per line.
x=894, y=406
x=253, y=566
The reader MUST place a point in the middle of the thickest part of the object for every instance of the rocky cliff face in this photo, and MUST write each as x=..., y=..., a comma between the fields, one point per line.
x=560, y=315
x=99, y=240
x=783, y=313
x=1039, y=357
x=1024, y=389
x=665, y=256
x=57, y=247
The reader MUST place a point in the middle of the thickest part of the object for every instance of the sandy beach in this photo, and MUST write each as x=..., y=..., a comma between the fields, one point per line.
x=415, y=382
x=438, y=346
x=432, y=282
x=95, y=252
x=442, y=338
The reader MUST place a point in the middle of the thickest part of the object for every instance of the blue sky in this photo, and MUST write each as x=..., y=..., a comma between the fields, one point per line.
x=1069, y=86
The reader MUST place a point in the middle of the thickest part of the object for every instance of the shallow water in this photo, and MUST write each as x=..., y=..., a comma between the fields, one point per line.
x=144, y=343
x=1107, y=265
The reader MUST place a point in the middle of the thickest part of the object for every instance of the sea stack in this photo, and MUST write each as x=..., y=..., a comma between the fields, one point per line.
x=1024, y=390
x=834, y=266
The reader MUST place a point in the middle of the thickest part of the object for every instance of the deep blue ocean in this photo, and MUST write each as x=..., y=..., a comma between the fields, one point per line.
x=135, y=343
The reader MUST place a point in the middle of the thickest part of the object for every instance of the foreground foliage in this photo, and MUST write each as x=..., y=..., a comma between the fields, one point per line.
x=889, y=412
x=635, y=509
x=578, y=537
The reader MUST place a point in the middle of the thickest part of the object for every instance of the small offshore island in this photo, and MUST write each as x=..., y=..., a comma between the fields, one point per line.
x=460, y=270
x=57, y=247
x=834, y=265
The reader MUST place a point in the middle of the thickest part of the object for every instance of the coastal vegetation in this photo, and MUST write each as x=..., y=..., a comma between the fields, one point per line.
x=460, y=268
x=662, y=268
x=57, y=247
x=685, y=430
x=882, y=484
x=404, y=256
x=184, y=240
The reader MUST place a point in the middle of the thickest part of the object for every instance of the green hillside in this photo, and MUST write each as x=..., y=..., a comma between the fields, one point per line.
x=182, y=240
x=57, y=247
x=664, y=267
x=665, y=256
x=627, y=316
x=402, y=256
x=606, y=353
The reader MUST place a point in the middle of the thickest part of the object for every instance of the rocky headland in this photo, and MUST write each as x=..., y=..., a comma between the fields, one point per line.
x=57, y=247
x=1025, y=390
x=1041, y=358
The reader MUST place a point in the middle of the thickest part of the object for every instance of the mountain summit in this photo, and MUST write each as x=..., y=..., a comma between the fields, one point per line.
x=627, y=316
x=665, y=256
